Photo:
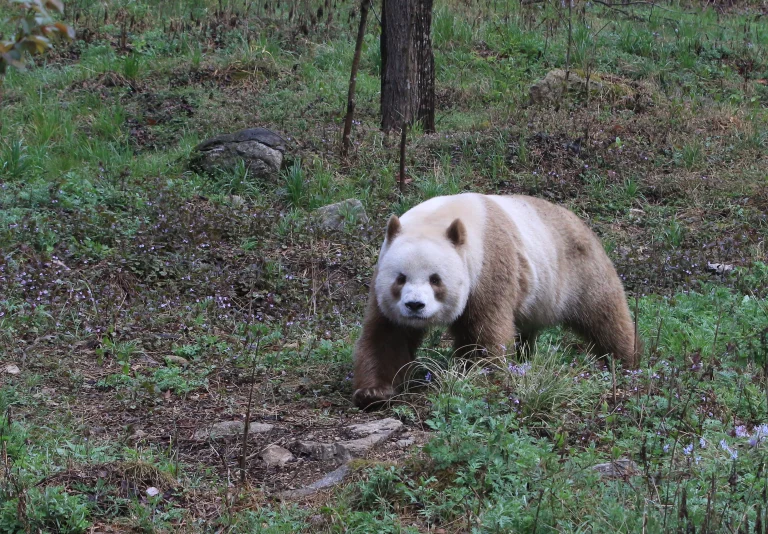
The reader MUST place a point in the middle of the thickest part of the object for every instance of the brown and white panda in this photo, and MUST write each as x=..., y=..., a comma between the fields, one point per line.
x=489, y=267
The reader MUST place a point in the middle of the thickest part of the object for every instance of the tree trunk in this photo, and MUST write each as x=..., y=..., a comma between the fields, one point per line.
x=407, y=65
x=353, y=77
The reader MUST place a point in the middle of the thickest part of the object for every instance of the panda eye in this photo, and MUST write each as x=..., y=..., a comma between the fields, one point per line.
x=400, y=278
x=435, y=280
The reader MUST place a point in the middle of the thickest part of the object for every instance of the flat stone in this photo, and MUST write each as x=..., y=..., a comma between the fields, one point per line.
x=12, y=369
x=336, y=216
x=371, y=434
x=260, y=149
x=358, y=447
x=276, y=456
x=228, y=429
x=620, y=468
x=367, y=435
x=331, y=479
x=322, y=451
x=387, y=425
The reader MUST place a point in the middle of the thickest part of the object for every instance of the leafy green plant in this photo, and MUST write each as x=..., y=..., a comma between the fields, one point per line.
x=690, y=156
x=47, y=510
x=631, y=189
x=442, y=181
x=237, y=181
x=122, y=351
x=14, y=160
x=674, y=233
x=290, y=222
x=132, y=66
x=176, y=380
x=294, y=184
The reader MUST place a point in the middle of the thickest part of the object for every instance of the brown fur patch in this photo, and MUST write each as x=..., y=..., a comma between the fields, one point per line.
x=396, y=289
x=597, y=305
x=383, y=349
x=440, y=291
x=488, y=320
x=457, y=233
x=393, y=227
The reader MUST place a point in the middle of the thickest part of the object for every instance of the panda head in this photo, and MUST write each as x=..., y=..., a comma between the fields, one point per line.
x=422, y=275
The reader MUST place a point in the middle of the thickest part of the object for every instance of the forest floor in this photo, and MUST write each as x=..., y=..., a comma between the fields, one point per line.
x=141, y=303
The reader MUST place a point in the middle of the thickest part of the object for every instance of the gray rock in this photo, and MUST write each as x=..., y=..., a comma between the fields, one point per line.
x=404, y=443
x=322, y=451
x=551, y=88
x=358, y=447
x=366, y=435
x=370, y=434
x=555, y=85
x=617, y=469
x=229, y=429
x=260, y=149
x=274, y=455
x=719, y=268
x=331, y=479
x=335, y=216
x=387, y=425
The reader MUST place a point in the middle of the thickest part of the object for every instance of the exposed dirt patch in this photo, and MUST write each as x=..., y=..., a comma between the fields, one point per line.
x=171, y=421
x=156, y=117
x=250, y=74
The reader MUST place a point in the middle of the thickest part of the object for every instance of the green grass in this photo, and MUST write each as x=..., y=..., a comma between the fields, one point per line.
x=116, y=256
x=690, y=420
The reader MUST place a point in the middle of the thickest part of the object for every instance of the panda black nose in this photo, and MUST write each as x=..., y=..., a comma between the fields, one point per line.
x=414, y=305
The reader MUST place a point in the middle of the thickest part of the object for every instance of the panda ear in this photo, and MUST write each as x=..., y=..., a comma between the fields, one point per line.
x=393, y=227
x=457, y=233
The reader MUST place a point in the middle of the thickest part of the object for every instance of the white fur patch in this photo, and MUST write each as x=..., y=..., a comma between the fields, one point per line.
x=417, y=259
x=540, y=249
x=422, y=249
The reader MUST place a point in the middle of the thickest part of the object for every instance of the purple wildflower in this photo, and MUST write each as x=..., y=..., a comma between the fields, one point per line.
x=760, y=435
x=519, y=370
x=724, y=445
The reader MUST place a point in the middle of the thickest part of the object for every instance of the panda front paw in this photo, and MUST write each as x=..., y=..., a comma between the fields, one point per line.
x=372, y=398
